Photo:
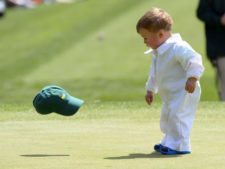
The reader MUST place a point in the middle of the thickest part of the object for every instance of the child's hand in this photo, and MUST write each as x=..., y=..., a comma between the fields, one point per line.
x=191, y=84
x=222, y=19
x=149, y=97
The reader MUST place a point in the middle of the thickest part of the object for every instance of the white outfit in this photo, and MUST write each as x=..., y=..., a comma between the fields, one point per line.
x=173, y=63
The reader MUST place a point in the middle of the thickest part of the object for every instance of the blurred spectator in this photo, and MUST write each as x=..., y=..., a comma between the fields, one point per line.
x=212, y=13
x=22, y=3
x=2, y=8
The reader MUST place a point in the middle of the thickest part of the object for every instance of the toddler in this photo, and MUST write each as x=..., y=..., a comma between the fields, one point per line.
x=175, y=72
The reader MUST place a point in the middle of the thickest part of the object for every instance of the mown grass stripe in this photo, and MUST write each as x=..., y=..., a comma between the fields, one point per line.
x=36, y=39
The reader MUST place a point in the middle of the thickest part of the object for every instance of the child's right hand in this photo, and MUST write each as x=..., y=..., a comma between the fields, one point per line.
x=149, y=97
x=222, y=19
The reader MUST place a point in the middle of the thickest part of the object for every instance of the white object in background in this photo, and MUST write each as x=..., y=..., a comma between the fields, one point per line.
x=2, y=6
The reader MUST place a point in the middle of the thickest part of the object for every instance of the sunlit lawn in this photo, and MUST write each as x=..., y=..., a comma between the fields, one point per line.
x=117, y=135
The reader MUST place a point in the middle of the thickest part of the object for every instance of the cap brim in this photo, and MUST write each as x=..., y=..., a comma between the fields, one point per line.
x=72, y=106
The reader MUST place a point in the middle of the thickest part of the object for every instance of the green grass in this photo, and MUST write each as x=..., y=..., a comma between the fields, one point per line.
x=58, y=44
x=105, y=135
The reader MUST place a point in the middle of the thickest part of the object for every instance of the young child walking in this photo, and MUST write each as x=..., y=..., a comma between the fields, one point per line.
x=175, y=72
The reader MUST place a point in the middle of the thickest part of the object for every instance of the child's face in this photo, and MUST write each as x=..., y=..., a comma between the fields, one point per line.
x=151, y=39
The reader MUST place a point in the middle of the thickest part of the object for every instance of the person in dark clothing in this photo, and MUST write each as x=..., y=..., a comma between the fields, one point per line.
x=212, y=13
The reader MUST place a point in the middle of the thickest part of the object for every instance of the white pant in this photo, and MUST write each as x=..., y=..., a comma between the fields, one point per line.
x=176, y=121
x=221, y=77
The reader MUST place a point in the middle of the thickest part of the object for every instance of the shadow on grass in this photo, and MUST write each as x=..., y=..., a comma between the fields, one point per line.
x=45, y=155
x=139, y=155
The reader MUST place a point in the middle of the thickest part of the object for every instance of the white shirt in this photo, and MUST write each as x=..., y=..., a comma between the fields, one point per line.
x=173, y=63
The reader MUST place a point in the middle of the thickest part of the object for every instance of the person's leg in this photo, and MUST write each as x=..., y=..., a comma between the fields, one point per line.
x=164, y=122
x=163, y=126
x=221, y=77
x=181, y=116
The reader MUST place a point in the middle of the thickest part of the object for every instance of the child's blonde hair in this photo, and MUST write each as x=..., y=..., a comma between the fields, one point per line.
x=154, y=20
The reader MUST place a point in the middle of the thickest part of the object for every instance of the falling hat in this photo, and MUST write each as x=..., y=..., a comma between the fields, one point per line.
x=56, y=99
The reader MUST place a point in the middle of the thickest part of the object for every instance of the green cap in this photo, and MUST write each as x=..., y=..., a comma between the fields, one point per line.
x=55, y=99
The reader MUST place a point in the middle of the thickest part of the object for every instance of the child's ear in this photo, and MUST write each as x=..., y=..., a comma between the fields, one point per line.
x=160, y=33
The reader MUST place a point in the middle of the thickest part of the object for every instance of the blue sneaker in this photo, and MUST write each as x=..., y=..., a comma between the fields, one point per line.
x=168, y=151
x=157, y=147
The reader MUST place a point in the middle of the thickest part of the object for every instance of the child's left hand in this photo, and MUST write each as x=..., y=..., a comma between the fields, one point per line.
x=191, y=84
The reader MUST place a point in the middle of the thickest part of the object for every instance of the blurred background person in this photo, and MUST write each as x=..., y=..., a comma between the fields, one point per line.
x=2, y=8
x=212, y=13
x=22, y=3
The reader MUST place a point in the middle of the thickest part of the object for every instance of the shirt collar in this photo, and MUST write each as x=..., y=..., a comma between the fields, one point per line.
x=165, y=46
